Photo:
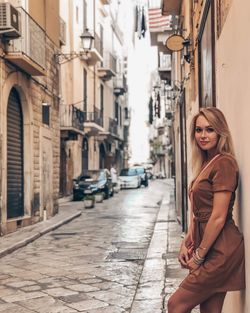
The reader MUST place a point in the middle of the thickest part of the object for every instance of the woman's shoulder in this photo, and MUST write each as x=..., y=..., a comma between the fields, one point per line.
x=226, y=161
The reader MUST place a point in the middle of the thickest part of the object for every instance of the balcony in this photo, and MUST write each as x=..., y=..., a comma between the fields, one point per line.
x=62, y=34
x=165, y=66
x=28, y=51
x=96, y=53
x=110, y=130
x=113, y=127
x=107, y=69
x=120, y=85
x=72, y=121
x=93, y=122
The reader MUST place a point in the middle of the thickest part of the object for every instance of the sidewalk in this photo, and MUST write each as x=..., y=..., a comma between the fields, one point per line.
x=25, y=235
x=162, y=273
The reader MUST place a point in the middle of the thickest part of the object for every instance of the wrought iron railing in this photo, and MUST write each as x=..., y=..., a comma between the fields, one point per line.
x=72, y=117
x=113, y=127
x=120, y=81
x=62, y=34
x=94, y=117
x=98, y=44
x=32, y=41
x=109, y=62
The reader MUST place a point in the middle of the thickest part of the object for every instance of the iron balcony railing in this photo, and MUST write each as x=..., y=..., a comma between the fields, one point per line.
x=113, y=127
x=32, y=41
x=94, y=117
x=98, y=44
x=120, y=84
x=72, y=117
x=165, y=61
x=109, y=62
x=62, y=34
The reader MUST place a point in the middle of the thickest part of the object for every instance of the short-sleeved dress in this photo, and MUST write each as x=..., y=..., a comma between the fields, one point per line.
x=224, y=266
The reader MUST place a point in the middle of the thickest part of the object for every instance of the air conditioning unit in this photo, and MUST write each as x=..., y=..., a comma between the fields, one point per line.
x=10, y=21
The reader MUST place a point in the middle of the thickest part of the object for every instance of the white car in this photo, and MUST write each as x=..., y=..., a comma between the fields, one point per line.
x=129, y=178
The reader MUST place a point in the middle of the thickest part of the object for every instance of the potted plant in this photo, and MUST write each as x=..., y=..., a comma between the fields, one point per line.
x=89, y=201
x=99, y=197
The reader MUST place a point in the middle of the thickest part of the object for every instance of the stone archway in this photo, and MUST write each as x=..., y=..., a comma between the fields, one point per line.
x=15, y=81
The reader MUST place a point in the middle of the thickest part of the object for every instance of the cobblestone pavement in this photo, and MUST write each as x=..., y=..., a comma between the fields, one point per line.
x=92, y=264
x=118, y=257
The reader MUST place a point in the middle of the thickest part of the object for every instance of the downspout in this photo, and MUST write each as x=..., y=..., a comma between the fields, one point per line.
x=94, y=20
x=1, y=143
x=94, y=83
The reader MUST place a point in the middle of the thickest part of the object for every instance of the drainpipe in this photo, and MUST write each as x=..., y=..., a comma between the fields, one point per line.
x=94, y=83
x=1, y=142
x=94, y=12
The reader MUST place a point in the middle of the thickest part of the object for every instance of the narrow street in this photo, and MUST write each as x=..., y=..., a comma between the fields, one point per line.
x=92, y=264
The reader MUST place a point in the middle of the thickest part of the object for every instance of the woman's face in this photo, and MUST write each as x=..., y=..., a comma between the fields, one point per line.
x=205, y=135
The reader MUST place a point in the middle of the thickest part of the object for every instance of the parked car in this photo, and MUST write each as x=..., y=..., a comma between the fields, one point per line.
x=129, y=178
x=143, y=174
x=92, y=182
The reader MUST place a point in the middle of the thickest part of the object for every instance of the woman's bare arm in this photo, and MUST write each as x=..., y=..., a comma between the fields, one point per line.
x=215, y=223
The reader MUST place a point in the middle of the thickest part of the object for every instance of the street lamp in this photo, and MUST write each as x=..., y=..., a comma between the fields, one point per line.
x=85, y=46
x=86, y=40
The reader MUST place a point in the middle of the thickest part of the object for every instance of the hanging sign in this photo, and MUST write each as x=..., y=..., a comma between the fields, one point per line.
x=174, y=42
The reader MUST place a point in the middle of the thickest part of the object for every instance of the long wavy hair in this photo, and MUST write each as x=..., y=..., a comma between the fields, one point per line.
x=216, y=119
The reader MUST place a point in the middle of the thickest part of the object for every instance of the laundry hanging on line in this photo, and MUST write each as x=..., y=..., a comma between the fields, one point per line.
x=140, y=23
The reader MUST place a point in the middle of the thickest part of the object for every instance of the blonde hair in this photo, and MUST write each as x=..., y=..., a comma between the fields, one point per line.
x=216, y=119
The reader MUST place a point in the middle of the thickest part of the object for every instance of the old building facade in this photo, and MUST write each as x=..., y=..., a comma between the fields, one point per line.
x=213, y=69
x=93, y=110
x=29, y=106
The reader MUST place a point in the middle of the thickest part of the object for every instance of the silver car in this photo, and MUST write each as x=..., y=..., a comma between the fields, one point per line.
x=129, y=178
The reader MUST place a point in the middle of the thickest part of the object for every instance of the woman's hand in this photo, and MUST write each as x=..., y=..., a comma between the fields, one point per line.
x=192, y=266
x=185, y=254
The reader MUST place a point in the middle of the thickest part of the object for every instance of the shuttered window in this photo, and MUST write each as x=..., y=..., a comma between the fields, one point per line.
x=15, y=180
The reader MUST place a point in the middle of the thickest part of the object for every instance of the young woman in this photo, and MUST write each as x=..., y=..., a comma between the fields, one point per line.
x=213, y=249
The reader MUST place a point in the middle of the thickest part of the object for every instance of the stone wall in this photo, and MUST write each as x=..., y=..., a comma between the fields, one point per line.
x=35, y=90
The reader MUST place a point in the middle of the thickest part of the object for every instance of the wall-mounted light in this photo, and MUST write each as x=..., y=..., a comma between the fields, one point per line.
x=85, y=46
x=86, y=40
x=186, y=50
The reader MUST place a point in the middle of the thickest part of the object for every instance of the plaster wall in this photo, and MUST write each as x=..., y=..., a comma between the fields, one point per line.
x=233, y=94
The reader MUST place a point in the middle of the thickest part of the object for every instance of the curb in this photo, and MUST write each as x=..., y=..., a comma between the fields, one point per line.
x=156, y=260
x=37, y=235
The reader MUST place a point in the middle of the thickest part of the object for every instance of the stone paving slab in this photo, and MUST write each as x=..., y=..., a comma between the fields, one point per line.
x=25, y=235
x=110, y=287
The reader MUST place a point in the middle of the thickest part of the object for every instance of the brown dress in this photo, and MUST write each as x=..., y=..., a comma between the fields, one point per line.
x=224, y=266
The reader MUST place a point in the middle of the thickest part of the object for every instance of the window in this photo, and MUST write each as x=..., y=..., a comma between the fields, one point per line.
x=45, y=114
x=85, y=90
x=102, y=99
x=85, y=15
x=101, y=39
x=116, y=111
x=77, y=15
x=206, y=57
x=126, y=113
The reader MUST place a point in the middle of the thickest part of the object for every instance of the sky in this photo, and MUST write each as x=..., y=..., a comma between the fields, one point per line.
x=142, y=61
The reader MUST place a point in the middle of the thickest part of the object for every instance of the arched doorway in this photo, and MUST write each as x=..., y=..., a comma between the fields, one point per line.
x=102, y=156
x=85, y=155
x=15, y=166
